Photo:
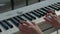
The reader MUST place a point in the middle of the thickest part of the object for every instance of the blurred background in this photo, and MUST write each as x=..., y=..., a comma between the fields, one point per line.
x=6, y=5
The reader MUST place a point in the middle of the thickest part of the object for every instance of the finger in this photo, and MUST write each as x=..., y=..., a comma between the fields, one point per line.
x=52, y=23
x=26, y=27
x=56, y=16
x=23, y=28
x=49, y=20
x=33, y=23
x=22, y=25
x=48, y=16
x=46, y=19
x=19, y=26
x=24, y=22
x=52, y=11
x=53, y=17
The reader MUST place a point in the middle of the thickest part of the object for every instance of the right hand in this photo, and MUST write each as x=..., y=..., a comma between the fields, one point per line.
x=54, y=20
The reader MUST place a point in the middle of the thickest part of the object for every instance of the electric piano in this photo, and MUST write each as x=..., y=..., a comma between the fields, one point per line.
x=9, y=20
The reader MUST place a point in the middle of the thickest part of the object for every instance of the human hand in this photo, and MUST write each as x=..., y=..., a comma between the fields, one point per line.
x=29, y=28
x=53, y=19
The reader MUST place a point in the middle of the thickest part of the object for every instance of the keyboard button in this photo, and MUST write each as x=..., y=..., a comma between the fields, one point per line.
x=4, y=25
x=42, y=14
x=16, y=23
x=47, y=8
x=44, y=10
x=31, y=15
x=16, y=18
x=36, y=14
x=0, y=30
x=58, y=6
x=55, y=7
x=58, y=3
x=27, y=17
x=41, y=11
x=20, y=18
x=11, y=26
x=52, y=7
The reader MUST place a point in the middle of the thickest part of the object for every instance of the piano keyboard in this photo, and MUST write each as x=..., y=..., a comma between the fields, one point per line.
x=9, y=21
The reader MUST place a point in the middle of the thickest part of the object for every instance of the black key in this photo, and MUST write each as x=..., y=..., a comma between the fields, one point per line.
x=52, y=7
x=14, y=21
x=58, y=3
x=47, y=8
x=16, y=18
x=41, y=12
x=4, y=26
x=11, y=26
x=27, y=17
x=0, y=30
x=38, y=15
x=44, y=10
x=31, y=16
x=57, y=7
x=38, y=12
x=20, y=18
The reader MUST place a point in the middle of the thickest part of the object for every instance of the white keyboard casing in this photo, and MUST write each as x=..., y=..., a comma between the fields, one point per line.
x=23, y=10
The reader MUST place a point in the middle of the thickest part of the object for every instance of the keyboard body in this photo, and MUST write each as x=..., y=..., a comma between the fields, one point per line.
x=9, y=20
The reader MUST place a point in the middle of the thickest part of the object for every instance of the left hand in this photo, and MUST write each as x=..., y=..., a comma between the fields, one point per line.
x=29, y=28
